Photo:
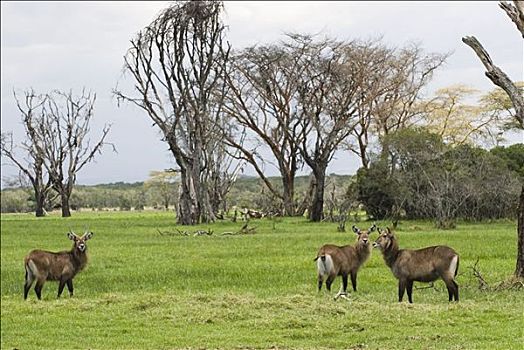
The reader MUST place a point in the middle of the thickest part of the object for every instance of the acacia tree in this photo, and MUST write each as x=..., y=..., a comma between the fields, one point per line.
x=262, y=101
x=177, y=63
x=448, y=115
x=163, y=184
x=515, y=12
x=31, y=165
x=327, y=95
x=392, y=90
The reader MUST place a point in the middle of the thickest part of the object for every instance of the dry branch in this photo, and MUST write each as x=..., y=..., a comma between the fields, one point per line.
x=515, y=13
x=171, y=233
x=483, y=285
x=498, y=77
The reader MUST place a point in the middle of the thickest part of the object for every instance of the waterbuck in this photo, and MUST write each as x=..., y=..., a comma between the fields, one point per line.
x=333, y=261
x=42, y=265
x=422, y=265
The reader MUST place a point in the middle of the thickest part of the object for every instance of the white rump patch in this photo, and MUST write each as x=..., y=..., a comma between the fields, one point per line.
x=33, y=270
x=326, y=266
x=453, y=265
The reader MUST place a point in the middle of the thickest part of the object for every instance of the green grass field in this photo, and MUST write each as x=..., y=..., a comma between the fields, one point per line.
x=143, y=290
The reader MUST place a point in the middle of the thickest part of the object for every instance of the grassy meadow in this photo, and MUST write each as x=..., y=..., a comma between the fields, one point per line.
x=143, y=290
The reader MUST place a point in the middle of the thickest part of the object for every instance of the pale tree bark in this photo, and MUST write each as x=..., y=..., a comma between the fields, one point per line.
x=501, y=79
x=177, y=64
x=515, y=12
x=498, y=77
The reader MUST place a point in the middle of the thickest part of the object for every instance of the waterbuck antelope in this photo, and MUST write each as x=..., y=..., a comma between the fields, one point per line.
x=42, y=265
x=333, y=261
x=422, y=265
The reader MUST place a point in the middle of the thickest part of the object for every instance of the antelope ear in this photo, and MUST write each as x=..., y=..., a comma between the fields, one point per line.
x=372, y=228
x=389, y=231
x=71, y=235
x=87, y=235
x=356, y=229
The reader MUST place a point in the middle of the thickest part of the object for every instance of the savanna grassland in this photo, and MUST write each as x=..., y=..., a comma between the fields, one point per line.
x=143, y=290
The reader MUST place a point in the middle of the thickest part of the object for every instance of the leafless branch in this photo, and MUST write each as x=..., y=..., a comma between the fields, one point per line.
x=515, y=12
x=498, y=77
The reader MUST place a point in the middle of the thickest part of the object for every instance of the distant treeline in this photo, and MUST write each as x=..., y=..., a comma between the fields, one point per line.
x=421, y=177
x=247, y=192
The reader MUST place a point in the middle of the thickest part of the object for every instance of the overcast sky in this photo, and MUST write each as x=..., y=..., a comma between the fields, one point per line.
x=70, y=45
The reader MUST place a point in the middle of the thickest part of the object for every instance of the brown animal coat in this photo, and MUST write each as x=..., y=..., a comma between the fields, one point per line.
x=421, y=265
x=333, y=261
x=42, y=266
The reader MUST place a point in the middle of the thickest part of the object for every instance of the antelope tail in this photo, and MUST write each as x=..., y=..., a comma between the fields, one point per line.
x=324, y=264
x=454, y=265
x=30, y=270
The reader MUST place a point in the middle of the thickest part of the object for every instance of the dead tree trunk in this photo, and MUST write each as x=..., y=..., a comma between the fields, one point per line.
x=66, y=209
x=498, y=77
x=316, y=211
x=519, y=270
x=31, y=164
x=40, y=198
x=289, y=194
x=64, y=136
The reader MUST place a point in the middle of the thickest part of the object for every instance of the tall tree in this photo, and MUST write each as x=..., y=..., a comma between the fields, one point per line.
x=263, y=85
x=177, y=64
x=327, y=95
x=515, y=12
x=31, y=164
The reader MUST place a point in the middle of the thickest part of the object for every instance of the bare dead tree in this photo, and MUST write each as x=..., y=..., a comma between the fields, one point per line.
x=64, y=139
x=515, y=12
x=177, y=64
x=262, y=100
x=31, y=163
x=57, y=145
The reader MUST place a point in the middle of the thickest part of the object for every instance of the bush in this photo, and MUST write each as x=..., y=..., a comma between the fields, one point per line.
x=14, y=201
x=422, y=177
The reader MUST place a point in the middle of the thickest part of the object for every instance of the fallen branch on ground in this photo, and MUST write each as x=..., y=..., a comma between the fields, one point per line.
x=171, y=233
